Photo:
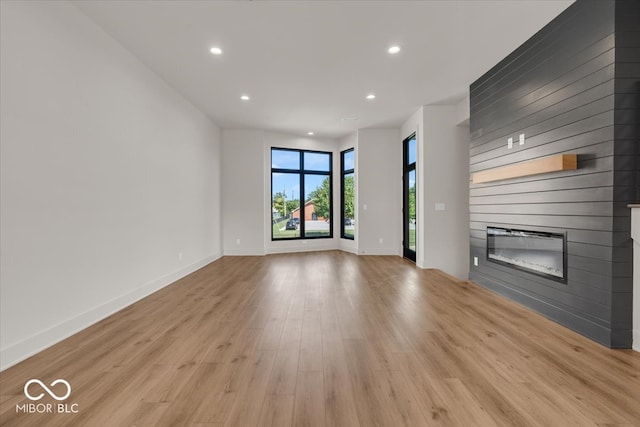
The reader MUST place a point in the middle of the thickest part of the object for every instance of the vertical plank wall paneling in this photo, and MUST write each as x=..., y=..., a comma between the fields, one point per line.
x=571, y=88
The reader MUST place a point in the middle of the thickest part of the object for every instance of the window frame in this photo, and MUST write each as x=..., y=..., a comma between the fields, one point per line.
x=343, y=175
x=407, y=168
x=302, y=172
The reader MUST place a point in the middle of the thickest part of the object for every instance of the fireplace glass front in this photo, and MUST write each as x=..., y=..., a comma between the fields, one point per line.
x=535, y=252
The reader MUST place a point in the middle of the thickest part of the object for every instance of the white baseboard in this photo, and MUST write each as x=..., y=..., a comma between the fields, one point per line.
x=378, y=251
x=245, y=252
x=349, y=249
x=636, y=340
x=309, y=247
x=29, y=346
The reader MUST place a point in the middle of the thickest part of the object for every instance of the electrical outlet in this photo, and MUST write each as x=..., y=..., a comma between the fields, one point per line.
x=475, y=261
x=179, y=256
x=237, y=241
x=381, y=240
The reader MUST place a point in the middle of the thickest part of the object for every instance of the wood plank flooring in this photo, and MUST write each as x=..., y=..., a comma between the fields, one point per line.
x=328, y=339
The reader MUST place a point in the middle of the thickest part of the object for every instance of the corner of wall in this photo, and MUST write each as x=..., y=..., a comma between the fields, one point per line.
x=29, y=346
x=462, y=111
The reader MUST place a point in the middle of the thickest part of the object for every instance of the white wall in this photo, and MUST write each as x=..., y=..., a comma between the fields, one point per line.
x=243, y=192
x=107, y=176
x=442, y=172
x=349, y=141
x=379, y=218
x=445, y=157
x=463, y=111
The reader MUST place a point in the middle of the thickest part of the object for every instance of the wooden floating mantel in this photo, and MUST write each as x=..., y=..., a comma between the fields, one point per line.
x=561, y=162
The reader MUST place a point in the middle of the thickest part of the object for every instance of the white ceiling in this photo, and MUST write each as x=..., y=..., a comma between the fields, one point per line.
x=309, y=64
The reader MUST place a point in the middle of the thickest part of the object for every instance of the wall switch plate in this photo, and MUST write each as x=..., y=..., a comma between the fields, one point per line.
x=510, y=143
x=521, y=139
x=439, y=206
x=475, y=261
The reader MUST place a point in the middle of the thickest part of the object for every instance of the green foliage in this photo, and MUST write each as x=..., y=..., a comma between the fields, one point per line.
x=412, y=202
x=278, y=202
x=321, y=199
x=349, y=197
x=292, y=205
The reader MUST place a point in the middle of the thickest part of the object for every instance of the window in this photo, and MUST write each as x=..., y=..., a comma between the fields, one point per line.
x=347, y=195
x=296, y=173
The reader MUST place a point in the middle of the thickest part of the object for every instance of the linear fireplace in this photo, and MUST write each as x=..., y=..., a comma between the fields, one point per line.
x=544, y=254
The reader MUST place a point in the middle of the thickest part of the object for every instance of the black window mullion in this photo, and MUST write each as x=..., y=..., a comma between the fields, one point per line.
x=342, y=177
x=303, y=215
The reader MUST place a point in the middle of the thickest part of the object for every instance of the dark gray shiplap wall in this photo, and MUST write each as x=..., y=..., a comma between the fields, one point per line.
x=561, y=88
x=626, y=159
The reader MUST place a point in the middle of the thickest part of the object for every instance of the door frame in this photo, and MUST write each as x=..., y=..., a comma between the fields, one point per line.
x=406, y=169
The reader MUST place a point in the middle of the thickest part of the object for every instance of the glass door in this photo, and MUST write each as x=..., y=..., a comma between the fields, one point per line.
x=409, y=197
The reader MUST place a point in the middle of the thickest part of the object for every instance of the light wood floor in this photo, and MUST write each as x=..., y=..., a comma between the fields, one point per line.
x=329, y=339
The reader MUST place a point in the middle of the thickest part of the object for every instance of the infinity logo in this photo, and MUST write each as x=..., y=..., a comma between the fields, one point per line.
x=52, y=394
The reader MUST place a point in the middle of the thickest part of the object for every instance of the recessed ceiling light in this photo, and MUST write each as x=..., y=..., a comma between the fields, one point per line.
x=309, y=133
x=394, y=49
x=371, y=96
x=245, y=97
x=216, y=51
